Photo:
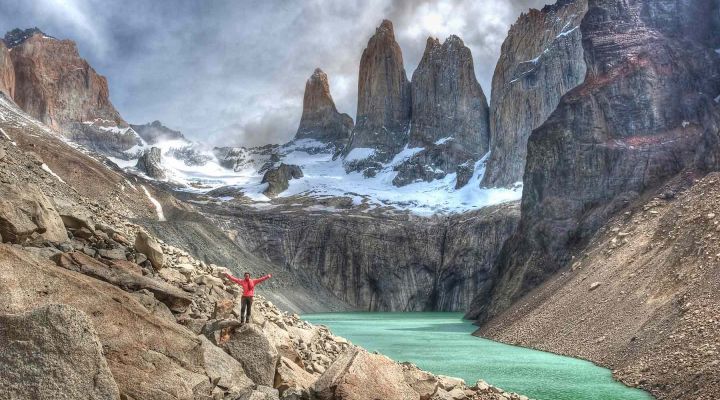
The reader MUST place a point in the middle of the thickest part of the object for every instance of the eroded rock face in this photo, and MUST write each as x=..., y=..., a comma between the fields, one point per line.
x=53, y=351
x=447, y=100
x=383, y=263
x=151, y=163
x=25, y=212
x=645, y=112
x=7, y=72
x=320, y=119
x=541, y=59
x=384, y=97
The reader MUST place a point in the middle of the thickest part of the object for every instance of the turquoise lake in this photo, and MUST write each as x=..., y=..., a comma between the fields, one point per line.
x=441, y=343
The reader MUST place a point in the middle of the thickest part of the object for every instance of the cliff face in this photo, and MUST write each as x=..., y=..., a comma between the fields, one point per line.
x=645, y=111
x=541, y=59
x=383, y=113
x=449, y=113
x=7, y=72
x=320, y=119
x=380, y=263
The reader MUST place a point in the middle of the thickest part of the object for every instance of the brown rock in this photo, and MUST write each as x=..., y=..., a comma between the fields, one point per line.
x=53, y=352
x=7, y=72
x=24, y=211
x=176, y=299
x=278, y=178
x=384, y=97
x=151, y=248
x=359, y=375
x=320, y=119
x=289, y=375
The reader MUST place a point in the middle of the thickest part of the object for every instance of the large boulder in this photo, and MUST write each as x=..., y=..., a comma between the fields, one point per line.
x=53, y=352
x=24, y=210
x=292, y=378
x=359, y=375
x=151, y=248
x=258, y=356
x=223, y=370
x=278, y=178
x=151, y=358
x=177, y=300
x=150, y=163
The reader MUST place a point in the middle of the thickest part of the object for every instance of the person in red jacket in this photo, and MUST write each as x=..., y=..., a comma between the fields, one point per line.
x=248, y=286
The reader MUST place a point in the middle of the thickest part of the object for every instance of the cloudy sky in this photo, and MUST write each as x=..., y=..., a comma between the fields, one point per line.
x=233, y=72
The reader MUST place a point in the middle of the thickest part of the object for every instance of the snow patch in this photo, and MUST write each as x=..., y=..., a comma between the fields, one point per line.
x=685, y=124
x=443, y=140
x=565, y=33
x=360, y=153
x=49, y=171
x=158, y=206
x=717, y=99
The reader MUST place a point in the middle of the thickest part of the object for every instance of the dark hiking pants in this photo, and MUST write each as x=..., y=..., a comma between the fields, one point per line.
x=245, y=307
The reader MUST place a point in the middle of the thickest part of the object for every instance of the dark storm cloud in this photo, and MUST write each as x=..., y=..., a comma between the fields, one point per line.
x=233, y=72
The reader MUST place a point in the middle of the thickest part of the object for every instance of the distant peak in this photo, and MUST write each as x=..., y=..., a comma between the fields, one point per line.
x=385, y=27
x=318, y=73
x=18, y=36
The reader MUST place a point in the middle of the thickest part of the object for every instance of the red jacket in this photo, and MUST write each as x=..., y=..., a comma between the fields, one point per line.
x=248, y=285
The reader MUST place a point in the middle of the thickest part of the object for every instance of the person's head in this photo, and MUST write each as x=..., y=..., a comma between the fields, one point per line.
x=247, y=275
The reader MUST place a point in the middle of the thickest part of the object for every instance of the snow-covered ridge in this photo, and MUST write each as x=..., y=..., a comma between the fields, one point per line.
x=324, y=177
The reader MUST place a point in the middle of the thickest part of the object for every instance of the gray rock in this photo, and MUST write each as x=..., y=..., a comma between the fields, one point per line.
x=278, y=178
x=43, y=252
x=24, y=211
x=53, y=352
x=151, y=163
x=113, y=254
x=150, y=248
x=222, y=369
x=252, y=349
x=541, y=59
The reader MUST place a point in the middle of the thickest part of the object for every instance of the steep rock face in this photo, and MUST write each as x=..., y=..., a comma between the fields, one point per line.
x=7, y=72
x=447, y=100
x=151, y=163
x=541, y=59
x=155, y=131
x=59, y=88
x=320, y=119
x=645, y=111
x=278, y=178
x=384, y=99
x=382, y=263
x=449, y=113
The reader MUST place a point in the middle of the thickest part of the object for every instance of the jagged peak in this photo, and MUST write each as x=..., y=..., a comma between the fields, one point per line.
x=386, y=27
x=453, y=40
x=18, y=36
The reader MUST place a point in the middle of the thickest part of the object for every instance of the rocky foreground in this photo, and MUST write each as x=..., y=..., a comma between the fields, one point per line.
x=101, y=316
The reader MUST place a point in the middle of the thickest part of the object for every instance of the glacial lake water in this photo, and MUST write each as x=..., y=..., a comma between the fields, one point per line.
x=441, y=343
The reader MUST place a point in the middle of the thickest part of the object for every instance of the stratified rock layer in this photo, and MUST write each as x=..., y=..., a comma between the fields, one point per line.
x=541, y=59
x=383, y=113
x=381, y=263
x=320, y=119
x=645, y=111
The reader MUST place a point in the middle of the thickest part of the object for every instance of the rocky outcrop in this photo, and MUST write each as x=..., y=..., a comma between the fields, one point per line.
x=7, y=72
x=320, y=119
x=148, y=246
x=384, y=97
x=151, y=163
x=449, y=114
x=155, y=131
x=447, y=100
x=381, y=263
x=540, y=60
x=59, y=88
x=53, y=352
x=257, y=355
x=25, y=212
x=645, y=111
x=278, y=178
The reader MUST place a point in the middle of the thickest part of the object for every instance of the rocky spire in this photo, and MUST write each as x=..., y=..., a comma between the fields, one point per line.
x=447, y=100
x=320, y=119
x=384, y=100
x=7, y=72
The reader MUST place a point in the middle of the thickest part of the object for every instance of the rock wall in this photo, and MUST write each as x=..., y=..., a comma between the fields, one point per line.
x=320, y=118
x=541, y=59
x=381, y=263
x=7, y=72
x=645, y=111
x=383, y=113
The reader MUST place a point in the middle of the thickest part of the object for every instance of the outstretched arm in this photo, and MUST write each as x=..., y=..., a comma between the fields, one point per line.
x=262, y=278
x=234, y=279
